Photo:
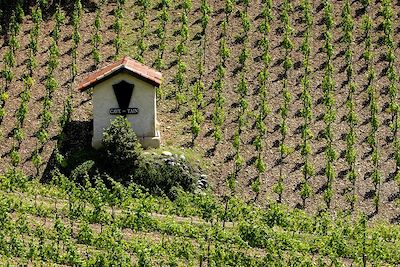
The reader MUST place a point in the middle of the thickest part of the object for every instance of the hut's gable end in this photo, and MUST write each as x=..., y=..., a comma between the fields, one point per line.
x=143, y=99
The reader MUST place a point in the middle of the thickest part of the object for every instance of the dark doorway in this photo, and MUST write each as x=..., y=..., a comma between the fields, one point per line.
x=123, y=92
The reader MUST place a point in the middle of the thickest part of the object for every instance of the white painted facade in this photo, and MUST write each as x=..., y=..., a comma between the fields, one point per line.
x=143, y=97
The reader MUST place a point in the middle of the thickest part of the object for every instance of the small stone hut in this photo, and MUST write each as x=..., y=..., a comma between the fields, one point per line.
x=127, y=88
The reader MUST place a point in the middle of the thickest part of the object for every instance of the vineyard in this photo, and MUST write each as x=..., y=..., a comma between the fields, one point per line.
x=293, y=105
x=64, y=224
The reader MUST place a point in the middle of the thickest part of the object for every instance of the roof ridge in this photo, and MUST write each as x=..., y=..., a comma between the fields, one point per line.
x=125, y=60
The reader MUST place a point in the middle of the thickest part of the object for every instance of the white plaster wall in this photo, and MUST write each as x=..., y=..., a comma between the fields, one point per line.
x=143, y=97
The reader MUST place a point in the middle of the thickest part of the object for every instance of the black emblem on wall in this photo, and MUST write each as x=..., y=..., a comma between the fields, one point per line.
x=123, y=92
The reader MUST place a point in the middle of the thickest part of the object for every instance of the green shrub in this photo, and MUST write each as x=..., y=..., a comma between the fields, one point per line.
x=83, y=171
x=163, y=175
x=122, y=159
x=121, y=148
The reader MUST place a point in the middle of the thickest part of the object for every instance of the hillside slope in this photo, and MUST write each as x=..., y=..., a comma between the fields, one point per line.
x=236, y=156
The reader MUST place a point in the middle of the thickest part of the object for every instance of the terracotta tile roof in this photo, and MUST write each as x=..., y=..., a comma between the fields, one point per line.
x=128, y=64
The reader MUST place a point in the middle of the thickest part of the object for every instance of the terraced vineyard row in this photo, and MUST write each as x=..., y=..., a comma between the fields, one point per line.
x=63, y=224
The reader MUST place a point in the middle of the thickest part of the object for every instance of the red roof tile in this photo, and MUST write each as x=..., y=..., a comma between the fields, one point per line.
x=128, y=64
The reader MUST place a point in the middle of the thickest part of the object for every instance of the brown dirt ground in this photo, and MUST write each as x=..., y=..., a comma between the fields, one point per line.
x=175, y=125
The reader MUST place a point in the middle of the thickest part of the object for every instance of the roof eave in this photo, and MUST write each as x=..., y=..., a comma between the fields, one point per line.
x=115, y=71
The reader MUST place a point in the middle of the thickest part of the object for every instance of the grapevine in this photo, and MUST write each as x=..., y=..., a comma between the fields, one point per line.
x=306, y=112
x=328, y=85
x=9, y=63
x=351, y=118
x=392, y=75
x=242, y=91
x=263, y=109
x=287, y=43
x=97, y=37
x=181, y=50
x=142, y=46
x=218, y=116
x=76, y=37
x=372, y=100
x=164, y=18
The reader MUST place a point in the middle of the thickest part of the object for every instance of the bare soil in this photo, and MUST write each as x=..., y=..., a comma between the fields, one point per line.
x=175, y=124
